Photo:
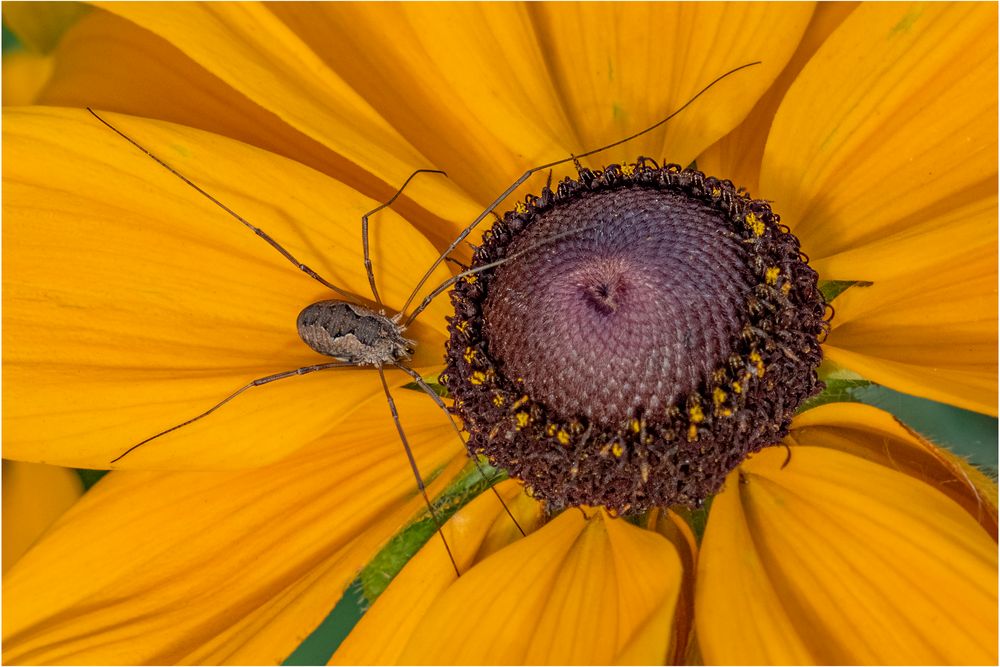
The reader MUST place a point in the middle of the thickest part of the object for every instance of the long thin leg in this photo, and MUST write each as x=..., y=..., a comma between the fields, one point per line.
x=255, y=383
x=256, y=230
x=364, y=228
x=503, y=195
x=413, y=466
x=475, y=459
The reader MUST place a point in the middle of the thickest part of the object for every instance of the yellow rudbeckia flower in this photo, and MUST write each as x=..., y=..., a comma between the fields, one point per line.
x=131, y=303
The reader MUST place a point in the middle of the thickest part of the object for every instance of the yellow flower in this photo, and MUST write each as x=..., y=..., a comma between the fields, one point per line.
x=131, y=303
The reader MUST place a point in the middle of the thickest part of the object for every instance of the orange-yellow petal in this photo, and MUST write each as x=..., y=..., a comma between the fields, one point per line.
x=131, y=303
x=622, y=67
x=246, y=46
x=24, y=76
x=837, y=560
x=870, y=433
x=465, y=83
x=928, y=325
x=737, y=156
x=891, y=122
x=476, y=531
x=598, y=591
x=34, y=496
x=209, y=568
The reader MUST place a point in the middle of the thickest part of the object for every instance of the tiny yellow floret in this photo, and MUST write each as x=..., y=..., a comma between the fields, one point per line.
x=718, y=396
x=634, y=425
x=696, y=414
x=758, y=363
x=519, y=402
x=616, y=450
x=520, y=208
x=498, y=400
x=522, y=419
x=550, y=430
x=755, y=224
x=628, y=169
x=478, y=377
x=563, y=437
x=771, y=275
x=692, y=433
x=469, y=355
x=737, y=387
x=786, y=288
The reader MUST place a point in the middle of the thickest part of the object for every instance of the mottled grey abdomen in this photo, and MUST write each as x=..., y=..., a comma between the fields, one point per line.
x=353, y=333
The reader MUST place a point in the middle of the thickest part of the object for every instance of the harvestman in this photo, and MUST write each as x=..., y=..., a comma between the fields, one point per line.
x=358, y=336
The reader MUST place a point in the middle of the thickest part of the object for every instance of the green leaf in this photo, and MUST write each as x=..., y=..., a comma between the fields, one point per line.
x=438, y=388
x=90, y=477
x=377, y=575
x=831, y=289
x=838, y=390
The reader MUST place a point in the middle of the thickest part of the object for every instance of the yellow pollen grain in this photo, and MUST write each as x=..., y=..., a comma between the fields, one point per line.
x=692, y=433
x=634, y=425
x=469, y=355
x=696, y=414
x=478, y=377
x=520, y=208
x=616, y=450
x=758, y=363
x=522, y=419
x=550, y=430
x=725, y=412
x=718, y=396
x=737, y=387
x=563, y=437
x=771, y=275
x=755, y=224
x=786, y=288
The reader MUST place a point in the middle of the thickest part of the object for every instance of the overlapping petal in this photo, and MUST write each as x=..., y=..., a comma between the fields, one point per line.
x=594, y=591
x=34, y=496
x=883, y=160
x=842, y=561
x=132, y=303
x=232, y=567
x=250, y=49
x=737, y=156
x=870, y=433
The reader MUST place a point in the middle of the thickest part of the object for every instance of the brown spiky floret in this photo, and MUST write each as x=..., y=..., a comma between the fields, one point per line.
x=668, y=328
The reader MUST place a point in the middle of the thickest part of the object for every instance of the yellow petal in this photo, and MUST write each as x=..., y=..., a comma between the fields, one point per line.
x=870, y=433
x=928, y=325
x=24, y=76
x=466, y=83
x=131, y=303
x=836, y=560
x=622, y=67
x=34, y=496
x=477, y=530
x=892, y=120
x=737, y=156
x=40, y=25
x=576, y=591
x=672, y=526
x=208, y=568
x=247, y=47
